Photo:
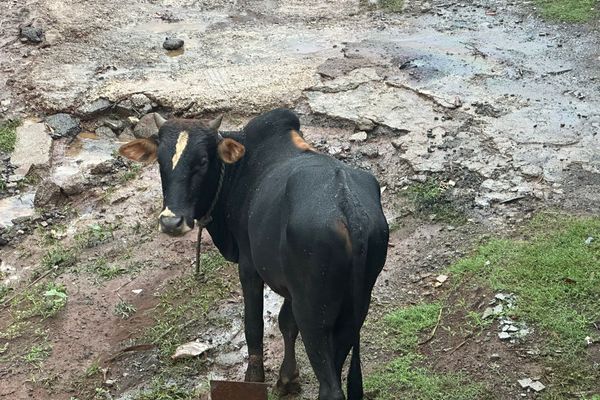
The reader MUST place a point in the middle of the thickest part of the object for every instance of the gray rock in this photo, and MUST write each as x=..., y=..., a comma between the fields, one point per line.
x=504, y=335
x=93, y=109
x=370, y=152
x=125, y=108
x=365, y=124
x=74, y=185
x=105, y=132
x=589, y=240
x=172, y=44
x=359, y=137
x=139, y=100
x=33, y=147
x=126, y=134
x=32, y=34
x=63, y=125
x=146, y=127
x=114, y=124
x=495, y=357
x=48, y=194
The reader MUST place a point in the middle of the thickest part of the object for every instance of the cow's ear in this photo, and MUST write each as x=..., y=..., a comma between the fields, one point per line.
x=230, y=151
x=142, y=150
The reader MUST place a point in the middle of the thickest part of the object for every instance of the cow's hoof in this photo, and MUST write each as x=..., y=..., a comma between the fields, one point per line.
x=255, y=374
x=288, y=385
x=284, y=389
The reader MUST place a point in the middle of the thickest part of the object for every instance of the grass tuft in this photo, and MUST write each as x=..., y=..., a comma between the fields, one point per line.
x=8, y=135
x=392, y=5
x=569, y=10
x=430, y=199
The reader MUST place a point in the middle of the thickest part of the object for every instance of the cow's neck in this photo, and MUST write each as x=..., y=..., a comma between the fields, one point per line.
x=219, y=228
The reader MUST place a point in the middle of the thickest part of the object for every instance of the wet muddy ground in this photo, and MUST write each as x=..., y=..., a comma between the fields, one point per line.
x=495, y=106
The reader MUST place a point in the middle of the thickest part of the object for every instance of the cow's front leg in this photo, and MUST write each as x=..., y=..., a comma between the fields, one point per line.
x=252, y=286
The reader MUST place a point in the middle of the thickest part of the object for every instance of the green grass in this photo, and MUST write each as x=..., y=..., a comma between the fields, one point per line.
x=392, y=5
x=95, y=235
x=405, y=324
x=160, y=390
x=104, y=270
x=60, y=257
x=569, y=10
x=187, y=301
x=407, y=376
x=124, y=309
x=38, y=353
x=134, y=170
x=8, y=135
x=556, y=277
x=430, y=199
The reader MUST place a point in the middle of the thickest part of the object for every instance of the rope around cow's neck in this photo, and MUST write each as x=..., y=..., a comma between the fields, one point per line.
x=204, y=221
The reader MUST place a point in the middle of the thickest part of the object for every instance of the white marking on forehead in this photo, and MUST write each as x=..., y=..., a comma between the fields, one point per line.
x=167, y=213
x=182, y=141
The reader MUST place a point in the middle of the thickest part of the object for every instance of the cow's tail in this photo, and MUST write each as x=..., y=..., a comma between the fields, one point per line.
x=357, y=220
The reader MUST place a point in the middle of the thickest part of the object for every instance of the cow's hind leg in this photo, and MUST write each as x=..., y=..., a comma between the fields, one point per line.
x=289, y=381
x=252, y=286
x=317, y=334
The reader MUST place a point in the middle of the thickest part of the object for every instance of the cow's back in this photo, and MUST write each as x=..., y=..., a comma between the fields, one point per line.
x=307, y=217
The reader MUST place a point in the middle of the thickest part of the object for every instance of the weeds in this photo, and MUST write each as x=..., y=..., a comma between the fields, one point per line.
x=8, y=135
x=104, y=270
x=392, y=5
x=134, y=170
x=95, y=235
x=431, y=199
x=38, y=353
x=59, y=257
x=124, y=310
x=161, y=390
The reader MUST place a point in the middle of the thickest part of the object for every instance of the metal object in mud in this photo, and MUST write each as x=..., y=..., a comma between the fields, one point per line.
x=230, y=390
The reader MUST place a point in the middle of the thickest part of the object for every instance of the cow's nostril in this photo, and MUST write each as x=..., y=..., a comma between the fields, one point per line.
x=171, y=224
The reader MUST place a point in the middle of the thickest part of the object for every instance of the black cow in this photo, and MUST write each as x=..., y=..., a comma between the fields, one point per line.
x=304, y=223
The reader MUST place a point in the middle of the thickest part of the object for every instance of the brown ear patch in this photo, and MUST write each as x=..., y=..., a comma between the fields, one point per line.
x=142, y=150
x=230, y=151
x=300, y=143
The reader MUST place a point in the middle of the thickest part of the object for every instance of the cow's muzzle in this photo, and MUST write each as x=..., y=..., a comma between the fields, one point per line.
x=174, y=226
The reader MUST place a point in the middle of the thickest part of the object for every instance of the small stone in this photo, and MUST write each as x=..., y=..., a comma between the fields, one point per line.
x=589, y=240
x=537, y=386
x=126, y=135
x=137, y=291
x=365, y=124
x=114, y=124
x=105, y=132
x=370, y=152
x=139, y=100
x=63, y=125
x=32, y=34
x=125, y=108
x=488, y=312
x=172, y=44
x=133, y=120
x=442, y=278
x=93, y=109
x=44, y=224
x=501, y=296
x=531, y=170
x=512, y=328
x=504, y=335
x=495, y=357
x=525, y=383
x=359, y=137
x=334, y=150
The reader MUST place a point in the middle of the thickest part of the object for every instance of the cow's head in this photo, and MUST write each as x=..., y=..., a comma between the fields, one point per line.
x=190, y=154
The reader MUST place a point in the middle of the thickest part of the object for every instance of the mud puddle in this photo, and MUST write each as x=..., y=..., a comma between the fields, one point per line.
x=16, y=207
